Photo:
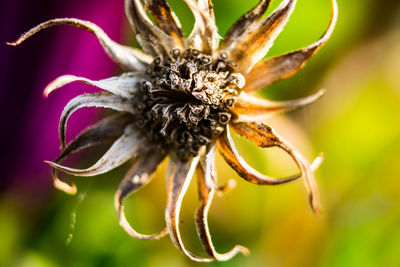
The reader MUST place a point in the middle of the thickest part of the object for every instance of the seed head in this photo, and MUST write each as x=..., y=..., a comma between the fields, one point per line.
x=179, y=98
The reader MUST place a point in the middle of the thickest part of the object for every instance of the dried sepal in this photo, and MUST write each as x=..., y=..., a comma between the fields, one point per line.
x=281, y=67
x=248, y=107
x=206, y=180
x=229, y=152
x=128, y=146
x=179, y=175
x=254, y=44
x=151, y=38
x=103, y=99
x=243, y=23
x=124, y=85
x=103, y=132
x=128, y=58
x=264, y=136
x=138, y=176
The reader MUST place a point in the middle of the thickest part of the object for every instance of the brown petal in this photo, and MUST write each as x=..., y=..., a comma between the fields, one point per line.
x=264, y=136
x=281, y=67
x=228, y=150
x=103, y=99
x=103, y=132
x=254, y=44
x=166, y=19
x=124, y=148
x=138, y=176
x=179, y=175
x=127, y=57
x=245, y=22
x=124, y=85
x=204, y=36
x=248, y=107
x=206, y=177
x=152, y=39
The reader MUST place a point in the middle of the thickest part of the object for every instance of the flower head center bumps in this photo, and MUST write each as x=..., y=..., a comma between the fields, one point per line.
x=187, y=101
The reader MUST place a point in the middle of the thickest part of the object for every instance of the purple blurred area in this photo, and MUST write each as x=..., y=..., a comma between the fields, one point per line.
x=29, y=122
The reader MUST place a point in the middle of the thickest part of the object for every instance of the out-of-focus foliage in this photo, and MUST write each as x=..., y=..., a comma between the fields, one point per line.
x=356, y=125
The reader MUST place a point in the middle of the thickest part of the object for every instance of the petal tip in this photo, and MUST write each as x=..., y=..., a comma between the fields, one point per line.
x=12, y=43
x=229, y=186
x=316, y=206
x=57, y=83
x=66, y=188
x=245, y=251
x=317, y=162
x=49, y=162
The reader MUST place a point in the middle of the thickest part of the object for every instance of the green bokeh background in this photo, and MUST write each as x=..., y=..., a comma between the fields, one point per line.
x=356, y=125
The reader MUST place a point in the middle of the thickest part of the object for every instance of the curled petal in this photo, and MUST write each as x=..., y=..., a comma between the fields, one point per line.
x=264, y=136
x=204, y=36
x=254, y=44
x=124, y=148
x=127, y=57
x=103, y=132
x=281, y=67
x=254, y=108
x=138, y=176
x=245, y=22
x=103, y=99
x=206, y=176
x=63, y=186
x=179, y=175
x=124, y=85
x=207, y=163
x=228, y=150
x=152, y=39
x=166, y=19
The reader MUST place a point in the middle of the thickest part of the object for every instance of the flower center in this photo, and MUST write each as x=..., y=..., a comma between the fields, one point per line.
x=186, y=104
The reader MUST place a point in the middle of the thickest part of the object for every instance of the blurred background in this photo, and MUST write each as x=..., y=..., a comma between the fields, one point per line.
x=356, y=125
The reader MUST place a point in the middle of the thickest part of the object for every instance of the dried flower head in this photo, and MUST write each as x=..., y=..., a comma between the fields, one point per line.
x=179, y=98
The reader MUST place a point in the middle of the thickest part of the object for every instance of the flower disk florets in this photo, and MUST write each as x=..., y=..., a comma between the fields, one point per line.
x=188, y=99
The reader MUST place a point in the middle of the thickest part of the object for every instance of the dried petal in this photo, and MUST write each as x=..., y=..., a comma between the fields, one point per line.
x=243, y=23
x=204, y=36
x=138, y=176
x=179, y=175
x=207, y=6
x=206, y=180
x=103, y=132
x=124, y=85
x=152, y=39
x=228, y=150
x=281, y=67
x=127, y=57
x=248, y=107
x=103, y=99
x=207, y=163
x=264, y=136
x=166, y=19
x=128, y=146
x=256, y=41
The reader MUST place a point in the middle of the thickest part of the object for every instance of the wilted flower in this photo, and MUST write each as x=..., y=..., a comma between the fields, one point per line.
x=179, y=99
